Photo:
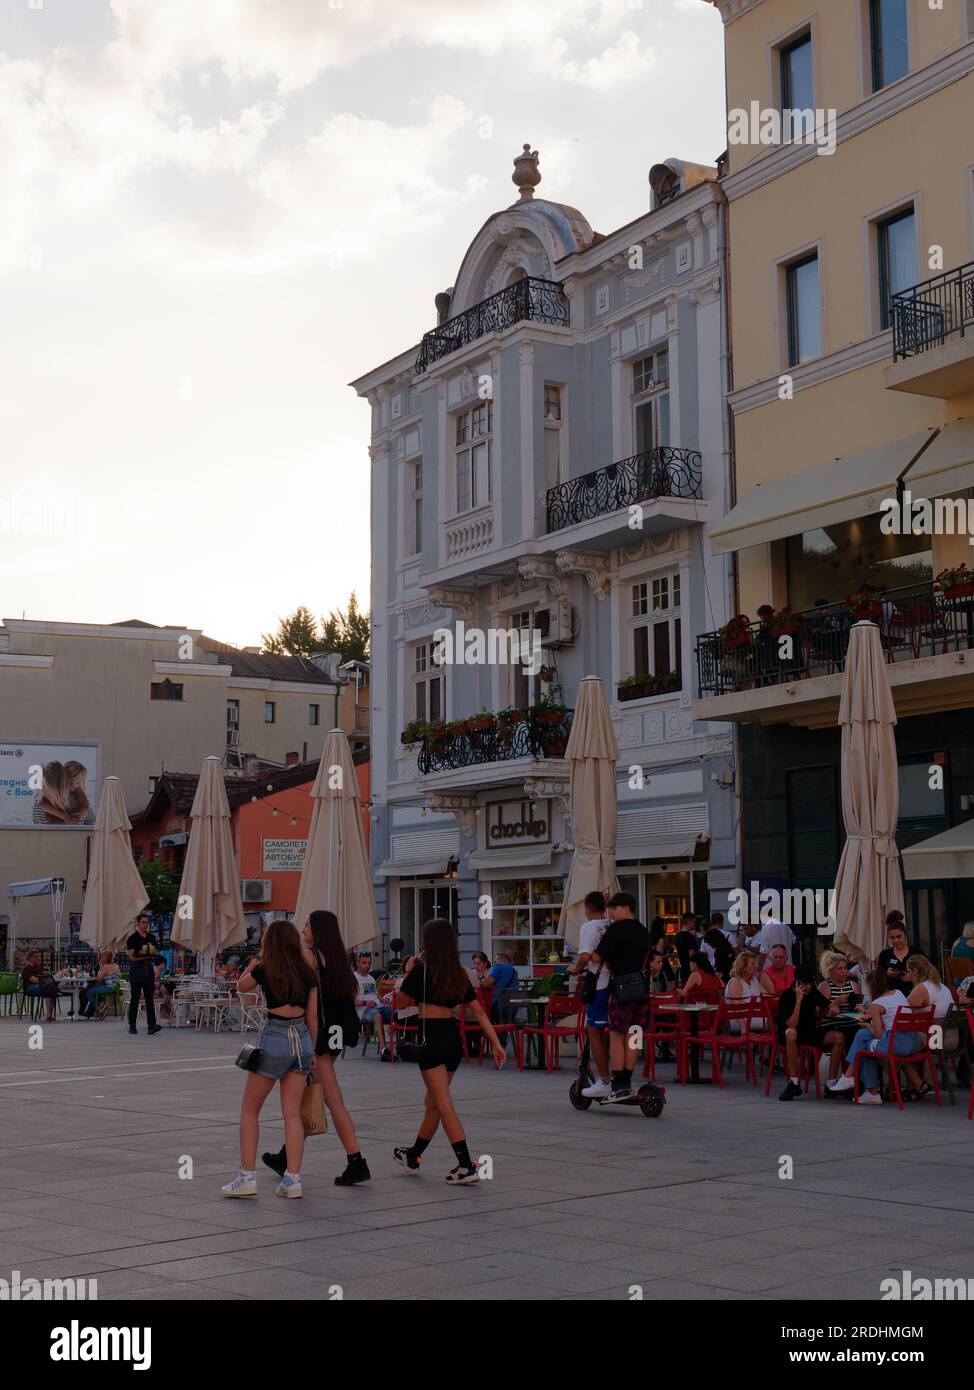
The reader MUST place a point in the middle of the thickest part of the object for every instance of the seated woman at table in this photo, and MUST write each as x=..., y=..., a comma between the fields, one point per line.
x=928, y=992
x=963, y=947
x=105, y=982
x=887, y=997
x=743, y=984
x=842, y=992
x=779, y=973
x=704, y=985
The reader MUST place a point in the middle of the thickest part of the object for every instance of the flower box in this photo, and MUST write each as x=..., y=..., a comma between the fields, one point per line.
x=959, y=590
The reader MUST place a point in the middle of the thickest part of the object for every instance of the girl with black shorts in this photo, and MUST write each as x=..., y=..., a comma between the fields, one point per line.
x=437, y=984
x=338, y=1028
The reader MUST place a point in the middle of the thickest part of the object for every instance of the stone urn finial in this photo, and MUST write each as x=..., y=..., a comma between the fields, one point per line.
x=526, y=174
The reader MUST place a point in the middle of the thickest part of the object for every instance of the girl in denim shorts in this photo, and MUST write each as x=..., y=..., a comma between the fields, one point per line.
x=286, y=1047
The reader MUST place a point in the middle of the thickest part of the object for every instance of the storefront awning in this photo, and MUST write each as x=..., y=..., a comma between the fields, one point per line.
x=171, y=841
x=661, y=833
x=947, y=467
x=513, y=858
x=834, y=492
x=421, y=854
x=947, y=855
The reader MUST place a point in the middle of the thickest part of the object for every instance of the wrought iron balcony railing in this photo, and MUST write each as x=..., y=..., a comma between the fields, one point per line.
x=915, y=621
x=530, y=736
x=543, y=301
x=662, y=472
x=926, y=315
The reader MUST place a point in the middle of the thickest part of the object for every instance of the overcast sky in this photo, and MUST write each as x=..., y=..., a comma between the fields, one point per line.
x=215, y=213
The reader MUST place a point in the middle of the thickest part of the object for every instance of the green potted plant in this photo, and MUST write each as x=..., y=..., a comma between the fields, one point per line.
x=736, y=632
x=481, y=723
x=956, y=581
x=643, y=686
x=413, y=731
x=864, y=605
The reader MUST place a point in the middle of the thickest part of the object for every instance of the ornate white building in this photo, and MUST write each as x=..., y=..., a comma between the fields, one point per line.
x=550, y=459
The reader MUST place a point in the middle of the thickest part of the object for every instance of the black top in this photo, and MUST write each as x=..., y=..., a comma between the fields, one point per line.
x=896, y=969
x=147, y=949
x=808, y=1017
x=415, y=984
x=272, y=1000
x=685, y=942
x=624, y=946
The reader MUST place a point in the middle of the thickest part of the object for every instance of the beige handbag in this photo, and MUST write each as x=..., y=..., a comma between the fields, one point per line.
x=313, y=1115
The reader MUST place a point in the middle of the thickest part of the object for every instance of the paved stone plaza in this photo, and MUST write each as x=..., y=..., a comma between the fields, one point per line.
x=581, y=1205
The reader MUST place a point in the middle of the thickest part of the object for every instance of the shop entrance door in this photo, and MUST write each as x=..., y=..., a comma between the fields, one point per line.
x=419, y=900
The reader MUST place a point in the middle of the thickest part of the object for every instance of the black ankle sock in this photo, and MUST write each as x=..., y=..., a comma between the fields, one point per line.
x=353, y=1158
x=621, y=1080
x=419, y=1146
x=463, y=1154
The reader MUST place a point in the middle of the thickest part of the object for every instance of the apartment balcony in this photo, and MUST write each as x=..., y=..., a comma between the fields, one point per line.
x=530, y=298
x=665, y=484
x=933, y=336
x=469, y=535
x=494, y=749
x=927, y=636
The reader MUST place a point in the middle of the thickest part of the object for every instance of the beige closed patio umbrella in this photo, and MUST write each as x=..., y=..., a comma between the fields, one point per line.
x=336, y=874
x=114, y=892
x=592, y=753
x=868, y=884
x=209, y=914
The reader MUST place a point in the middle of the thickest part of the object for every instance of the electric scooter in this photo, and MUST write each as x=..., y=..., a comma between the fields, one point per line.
x=649, y=1097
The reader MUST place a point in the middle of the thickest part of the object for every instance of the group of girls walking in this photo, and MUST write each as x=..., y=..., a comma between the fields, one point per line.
x=309, y=991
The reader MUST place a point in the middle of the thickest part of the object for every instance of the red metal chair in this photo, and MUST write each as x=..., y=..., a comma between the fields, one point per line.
x=809, y=1056
x=662, y=1027
x=905, y=1021
x=970, y=1024
x=710, y=1035
x=560, y=1006
x=503, y=1030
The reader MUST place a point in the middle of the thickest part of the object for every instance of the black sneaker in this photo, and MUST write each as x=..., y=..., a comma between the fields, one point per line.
x=133, y=1031
x=462, y=1177
x=276, y=1162
x=385, y=1055
x=156, y=1028
x=790, y=1092
x=406, y=1159
x=356, y=1170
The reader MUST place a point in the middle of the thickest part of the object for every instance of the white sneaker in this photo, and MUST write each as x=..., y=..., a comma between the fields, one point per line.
x=243, y=1185
x=869, y=1098
x=843, y=1083
x=597, y=1090
x=289, y=1187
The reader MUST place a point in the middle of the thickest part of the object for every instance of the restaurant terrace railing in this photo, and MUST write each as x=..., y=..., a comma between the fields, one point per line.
x=915, y=621
x=926, y=315
x=542, y=301
x=525, y=734
x=662, y=472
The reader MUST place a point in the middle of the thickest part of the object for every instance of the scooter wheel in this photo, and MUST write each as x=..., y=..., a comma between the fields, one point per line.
x=651, y=1103
x=579, y=1101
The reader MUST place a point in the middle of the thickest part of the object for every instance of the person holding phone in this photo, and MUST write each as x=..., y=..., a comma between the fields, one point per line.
x=799, y=1008
x=437, y=984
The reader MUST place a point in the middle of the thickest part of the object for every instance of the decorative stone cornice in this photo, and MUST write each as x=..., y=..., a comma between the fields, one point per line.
x=463, y=808
x=462, y=602
x=540, y=788
x=707, y=292
x=733, y=9
x=595, y=568
x=540, y=569
x=708, y=216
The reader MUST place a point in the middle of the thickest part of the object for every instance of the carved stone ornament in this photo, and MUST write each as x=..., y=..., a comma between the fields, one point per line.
x=461, y=602
x=463, y=808
x=595, y=568
x=541, y=788
x=538, y=569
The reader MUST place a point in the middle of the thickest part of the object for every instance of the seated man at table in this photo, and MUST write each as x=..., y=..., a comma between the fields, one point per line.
x=367, y=1003
x=799, y=1009
x=37, y=983
x=506, y=982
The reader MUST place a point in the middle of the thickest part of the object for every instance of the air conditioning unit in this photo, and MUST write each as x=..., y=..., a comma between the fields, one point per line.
x=233, y=737
x=556, y=623
x=255, y=890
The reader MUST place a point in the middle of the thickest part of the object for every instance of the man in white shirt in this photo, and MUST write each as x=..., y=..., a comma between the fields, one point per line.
x=772, y=934
x=589, y=937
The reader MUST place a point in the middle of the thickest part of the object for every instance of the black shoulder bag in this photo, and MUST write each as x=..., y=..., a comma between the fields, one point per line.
x=631, y=988
x=416, y=1051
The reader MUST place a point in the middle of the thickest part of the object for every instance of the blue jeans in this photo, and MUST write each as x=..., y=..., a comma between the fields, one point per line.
x=904, y=1046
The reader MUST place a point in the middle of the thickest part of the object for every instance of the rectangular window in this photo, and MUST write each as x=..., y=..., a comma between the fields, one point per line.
x=651, y=401
x=552, y=402
x=314, y=715
x=165, y=690
x=427, y=683
x=270, y=712
x=525, y=915
x=416, y=506
x=473, y=461
x=233, y=712
x=525, y=685
x=796, y=88
x=655, y=634
x=804, y=311
x=889, y=41
x=153, y=783
x=552, y=435
x=896, y=240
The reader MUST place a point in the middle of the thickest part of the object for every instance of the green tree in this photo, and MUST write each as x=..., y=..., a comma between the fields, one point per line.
x=347, y=632
x=295, y=636
x=161, y=886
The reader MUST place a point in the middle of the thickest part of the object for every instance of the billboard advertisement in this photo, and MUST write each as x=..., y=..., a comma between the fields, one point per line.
x=48, y=785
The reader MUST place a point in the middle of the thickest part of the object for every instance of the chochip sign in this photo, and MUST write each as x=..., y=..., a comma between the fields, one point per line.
x=515, y=820
x=284, y=856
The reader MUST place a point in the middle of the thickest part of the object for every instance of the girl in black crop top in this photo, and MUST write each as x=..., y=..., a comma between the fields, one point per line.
x=437, y=983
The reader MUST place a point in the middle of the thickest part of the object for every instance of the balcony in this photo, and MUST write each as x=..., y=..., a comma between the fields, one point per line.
x=526, y=734
x=933, y=336
x=539, y=301
x=927, y=636
x=658, y=473
x=470, y=535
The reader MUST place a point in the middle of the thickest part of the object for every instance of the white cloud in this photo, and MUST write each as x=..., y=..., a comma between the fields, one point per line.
x=625, y=61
